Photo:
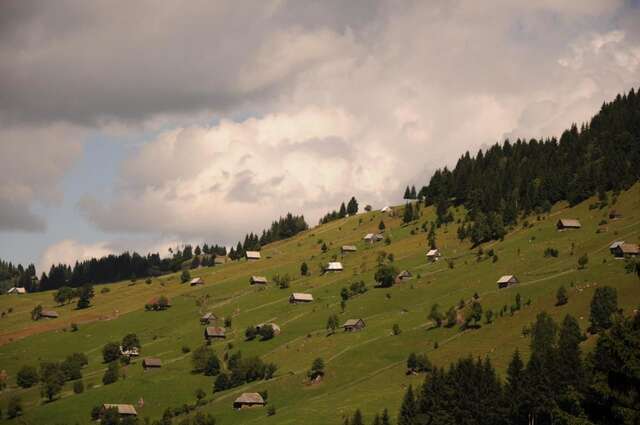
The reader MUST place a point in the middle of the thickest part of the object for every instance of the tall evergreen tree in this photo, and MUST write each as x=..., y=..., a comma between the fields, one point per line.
x=408, y=411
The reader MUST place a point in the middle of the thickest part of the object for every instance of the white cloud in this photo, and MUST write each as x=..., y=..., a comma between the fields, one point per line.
x=366, y=112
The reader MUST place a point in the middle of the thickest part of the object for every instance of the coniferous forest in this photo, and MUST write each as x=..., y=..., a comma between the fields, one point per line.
x=517, y=178
x=557, y=385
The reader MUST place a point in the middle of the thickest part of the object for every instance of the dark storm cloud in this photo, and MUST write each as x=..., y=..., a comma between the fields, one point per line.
x=95, y=62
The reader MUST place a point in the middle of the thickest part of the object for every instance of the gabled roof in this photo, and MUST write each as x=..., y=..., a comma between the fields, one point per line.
x=220, y=259
x=334, y=266
x=433, y=252
x=196, y=281
x=250, y=398
x=351, y=322
x=569, y=222
x=253, y=255
x=349, y=248
x=258, y=279
x=152, y=362
x=17, y=290
x=630, y=248
x=373, y=236
x=615, y=244
x=123, y=409
x=208, y=316
x=214, y=331
x=404, y=274
x=386, y=208
x=301, y=296
x=49, y=313
x=507, y=278
x=276, y=328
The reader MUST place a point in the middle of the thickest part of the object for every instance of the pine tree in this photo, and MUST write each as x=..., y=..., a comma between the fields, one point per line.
x=413, y=194
x=343, y=211
x=357, y=418
x=352, y=206
x=385, y=417
x=603, y=304
x=407, y=193
x=570, y=367
x=408, y=410
x=408, y=213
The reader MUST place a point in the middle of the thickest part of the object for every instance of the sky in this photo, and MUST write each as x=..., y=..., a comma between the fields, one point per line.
x=144, y=125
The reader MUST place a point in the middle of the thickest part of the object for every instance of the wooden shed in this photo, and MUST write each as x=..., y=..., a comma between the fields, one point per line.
x=252, y=255
x=507, y=280
x=348, y=248
x=151, y=363
x=258, y=280
x=214, y=332
x=123, y=409
x=353, y=325
x=626, y=250
x=196, y=281
x=299, y=297
x=334, y=266
x=568, y=223
x=433, y=254
x=403, y=275
x=49, y=314
x=17, y=290
x=248, y=400
x=207, y=318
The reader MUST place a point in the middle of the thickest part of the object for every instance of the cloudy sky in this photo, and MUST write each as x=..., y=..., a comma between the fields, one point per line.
x=140, y=125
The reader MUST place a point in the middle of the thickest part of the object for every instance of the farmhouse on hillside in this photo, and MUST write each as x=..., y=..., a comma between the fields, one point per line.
x=248, y=400
x=49, y=314
x=214, y=332
x=258, y=280
x=196, y=281
x=387, y=209
x=252, y=255
x=433, y=254
x=348, y=248
x=626, y=250
x=151, y=363
x=403, y=275
x=568, y=223
x=334, y=266
x=300, y=297
x=207, y=318
x=614, y=245
x=17, y=290
x=373, y=237
x=158, y=303
x=353, y=325
x=276, y=328
x=123, y=409
x=507, y=280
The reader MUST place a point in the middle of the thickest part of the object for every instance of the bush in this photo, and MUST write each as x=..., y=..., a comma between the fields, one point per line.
x=110, y=352
x=112, y=373
x=551, y=252
x=78, y=387
x=27, y=377
x=185, y=349
x=271, y=410
x=74, y=327
x=185, y=276
x=396, y=329
x=561, y=296
x=583, y=261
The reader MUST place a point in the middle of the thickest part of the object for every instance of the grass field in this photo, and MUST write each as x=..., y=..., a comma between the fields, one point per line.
x=363, y=370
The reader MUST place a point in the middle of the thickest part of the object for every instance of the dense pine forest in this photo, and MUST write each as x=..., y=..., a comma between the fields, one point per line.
x=513, y=179
x=557, y=385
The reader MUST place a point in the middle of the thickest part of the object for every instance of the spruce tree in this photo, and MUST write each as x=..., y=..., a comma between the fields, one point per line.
x=408, y=410
x=603, y=304
x=407, y=193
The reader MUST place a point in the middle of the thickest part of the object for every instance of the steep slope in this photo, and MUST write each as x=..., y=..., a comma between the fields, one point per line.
x=363, y=370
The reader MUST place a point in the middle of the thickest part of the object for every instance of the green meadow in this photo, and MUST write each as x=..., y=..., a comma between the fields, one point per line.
x=364, y=369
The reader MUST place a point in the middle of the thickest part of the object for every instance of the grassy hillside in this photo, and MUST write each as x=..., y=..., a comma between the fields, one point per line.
x=363, y=370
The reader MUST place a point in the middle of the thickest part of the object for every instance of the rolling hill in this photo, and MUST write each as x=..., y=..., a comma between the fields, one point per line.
x=364, y=369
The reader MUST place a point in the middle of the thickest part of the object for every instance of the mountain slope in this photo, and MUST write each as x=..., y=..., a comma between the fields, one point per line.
x=363, y=370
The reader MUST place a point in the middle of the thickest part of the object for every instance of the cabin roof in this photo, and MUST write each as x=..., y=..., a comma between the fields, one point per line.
x=123, y=409
x=507, y=278
x=301, y=296
x=152, y=361
x=253, y=255
x=250, y=398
